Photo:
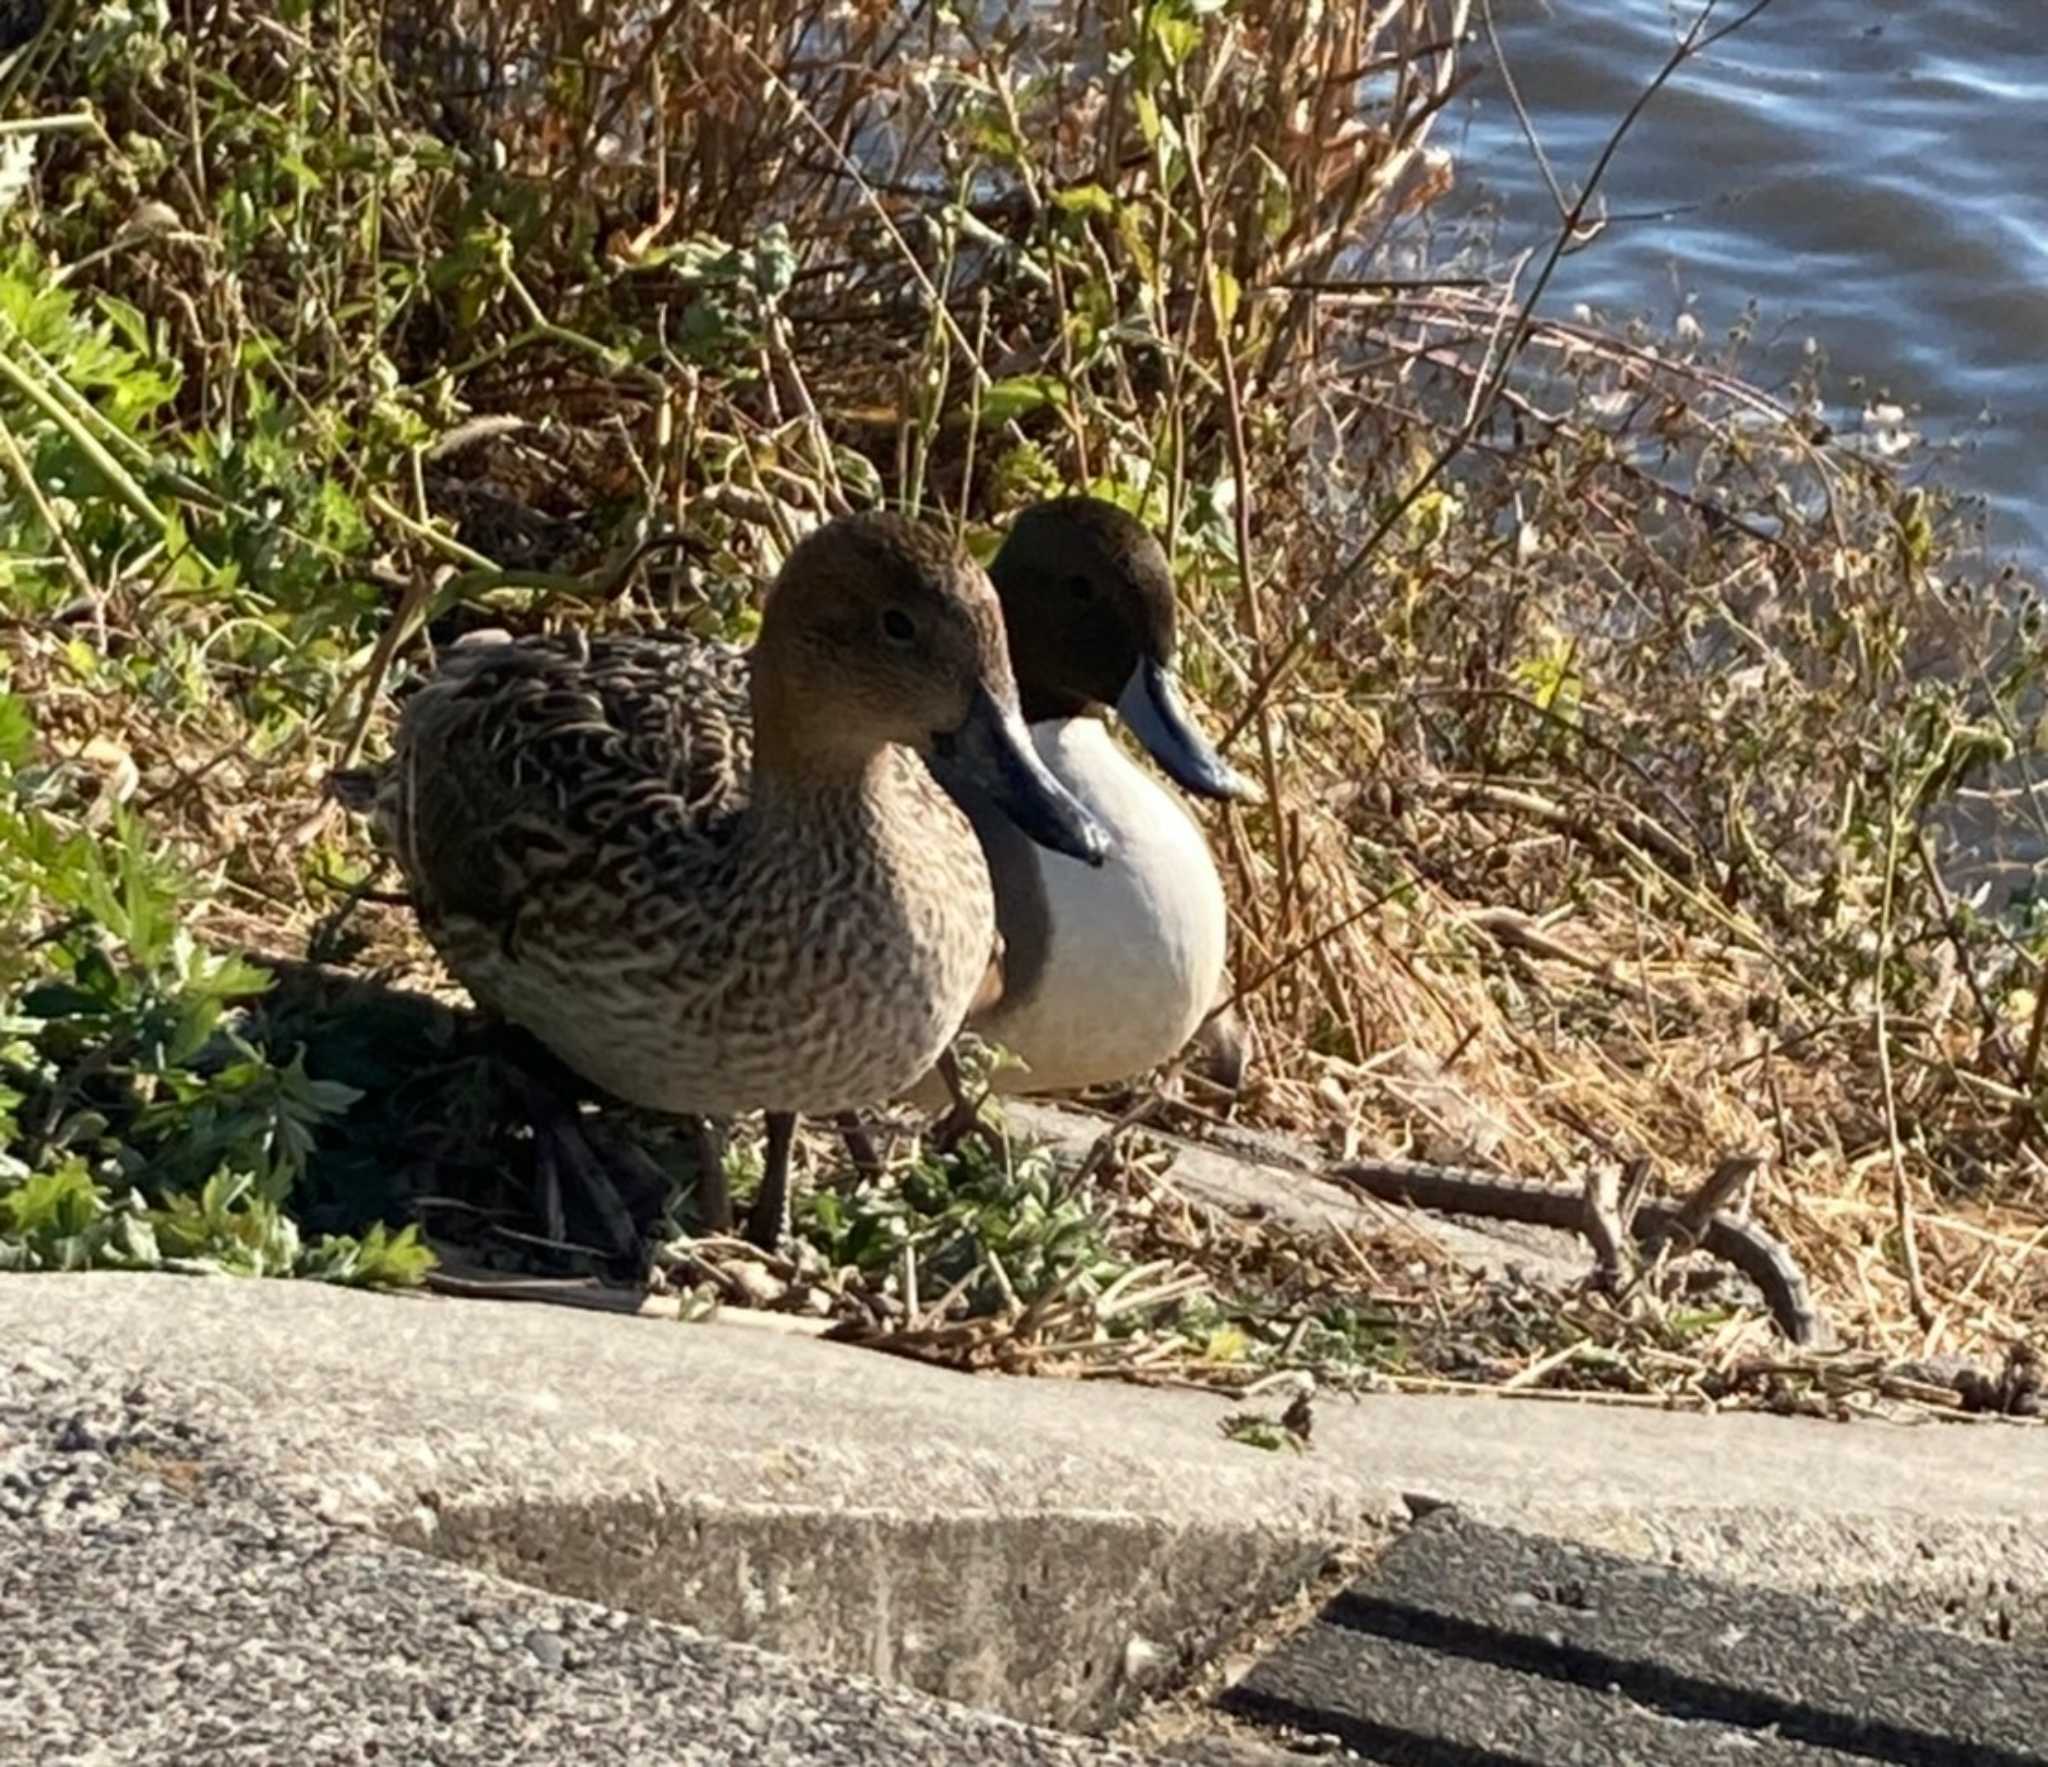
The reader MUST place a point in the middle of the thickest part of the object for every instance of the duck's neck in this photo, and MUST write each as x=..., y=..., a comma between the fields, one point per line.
x=796, y=750
x=819, y=784
x=822, y=799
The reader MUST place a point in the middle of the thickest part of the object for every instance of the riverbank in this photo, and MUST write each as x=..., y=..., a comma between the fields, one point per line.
x=1605, y=776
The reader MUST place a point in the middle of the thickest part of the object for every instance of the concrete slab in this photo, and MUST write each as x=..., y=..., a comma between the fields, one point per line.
x=1045, y=1549
x=1467, y=1643
x=161, y=1607
x=1010, y=1545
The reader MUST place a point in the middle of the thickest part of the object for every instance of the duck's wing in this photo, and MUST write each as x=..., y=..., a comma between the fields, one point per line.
x=525, y=763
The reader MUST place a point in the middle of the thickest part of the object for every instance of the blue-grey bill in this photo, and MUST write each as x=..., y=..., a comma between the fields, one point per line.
x=1150, y=705
x=993, y=752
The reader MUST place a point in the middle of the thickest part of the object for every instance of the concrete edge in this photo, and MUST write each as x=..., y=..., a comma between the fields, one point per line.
x=1047, y=1551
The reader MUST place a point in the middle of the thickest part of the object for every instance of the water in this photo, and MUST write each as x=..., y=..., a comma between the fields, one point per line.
x=1873, y=174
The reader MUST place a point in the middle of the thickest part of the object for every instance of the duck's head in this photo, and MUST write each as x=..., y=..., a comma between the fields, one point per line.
x=1087, y=596
x=880, y=631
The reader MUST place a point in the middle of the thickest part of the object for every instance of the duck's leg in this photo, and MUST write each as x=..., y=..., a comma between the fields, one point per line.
x=561, y=1146
x=964, y=1118
x=859, y=1143
x=768, y=1225
x=714, y=1189
x=1222, y=1048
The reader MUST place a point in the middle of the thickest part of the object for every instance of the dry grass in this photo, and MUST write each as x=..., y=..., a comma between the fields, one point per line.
x=1612, y=796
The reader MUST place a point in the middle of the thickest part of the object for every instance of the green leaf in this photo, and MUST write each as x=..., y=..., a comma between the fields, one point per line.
x=231, y=1225
x=380, y=1259
x=1173, y=30
x=1276, y=197
x=1020, y=395
x=1085, y=199
x=1225, y=293
x=127, y=319
x=197, y=1019
x=17, y=731
x=55, y=1000
x=1148, y=117
x=52, y=1204
x=231, y=978
x=989, y=130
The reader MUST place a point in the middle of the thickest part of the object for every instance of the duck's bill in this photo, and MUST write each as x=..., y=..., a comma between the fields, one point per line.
x=1150, y=705
x=992, y=751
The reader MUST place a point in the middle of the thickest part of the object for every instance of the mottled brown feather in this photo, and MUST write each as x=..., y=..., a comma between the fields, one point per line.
x=599, y=852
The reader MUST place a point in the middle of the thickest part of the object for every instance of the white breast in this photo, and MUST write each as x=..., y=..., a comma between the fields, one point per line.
x=1137, y=946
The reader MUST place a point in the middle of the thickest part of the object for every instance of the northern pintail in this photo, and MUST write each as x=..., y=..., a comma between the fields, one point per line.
x=1105, y=972
x=712, y=881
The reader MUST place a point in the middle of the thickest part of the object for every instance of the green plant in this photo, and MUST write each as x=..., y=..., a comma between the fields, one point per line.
x=138, y=1125
x=993, y=1226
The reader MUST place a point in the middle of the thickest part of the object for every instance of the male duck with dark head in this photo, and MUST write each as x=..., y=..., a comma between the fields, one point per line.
x=711, y=881
x=1105, y=972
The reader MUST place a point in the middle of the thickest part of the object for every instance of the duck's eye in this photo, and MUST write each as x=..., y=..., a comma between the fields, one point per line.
x=897, y=626
x=1080, y=588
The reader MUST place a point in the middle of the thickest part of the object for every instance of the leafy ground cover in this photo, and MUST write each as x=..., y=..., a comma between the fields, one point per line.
x=1646, y=754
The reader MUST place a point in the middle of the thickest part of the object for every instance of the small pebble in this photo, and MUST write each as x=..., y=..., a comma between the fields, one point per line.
x=77, y=1437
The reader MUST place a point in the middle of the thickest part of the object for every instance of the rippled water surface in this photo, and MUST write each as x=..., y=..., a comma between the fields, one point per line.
x=1872, y=173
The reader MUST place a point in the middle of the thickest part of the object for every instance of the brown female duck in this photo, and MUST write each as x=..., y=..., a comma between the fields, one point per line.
x=712, y=881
